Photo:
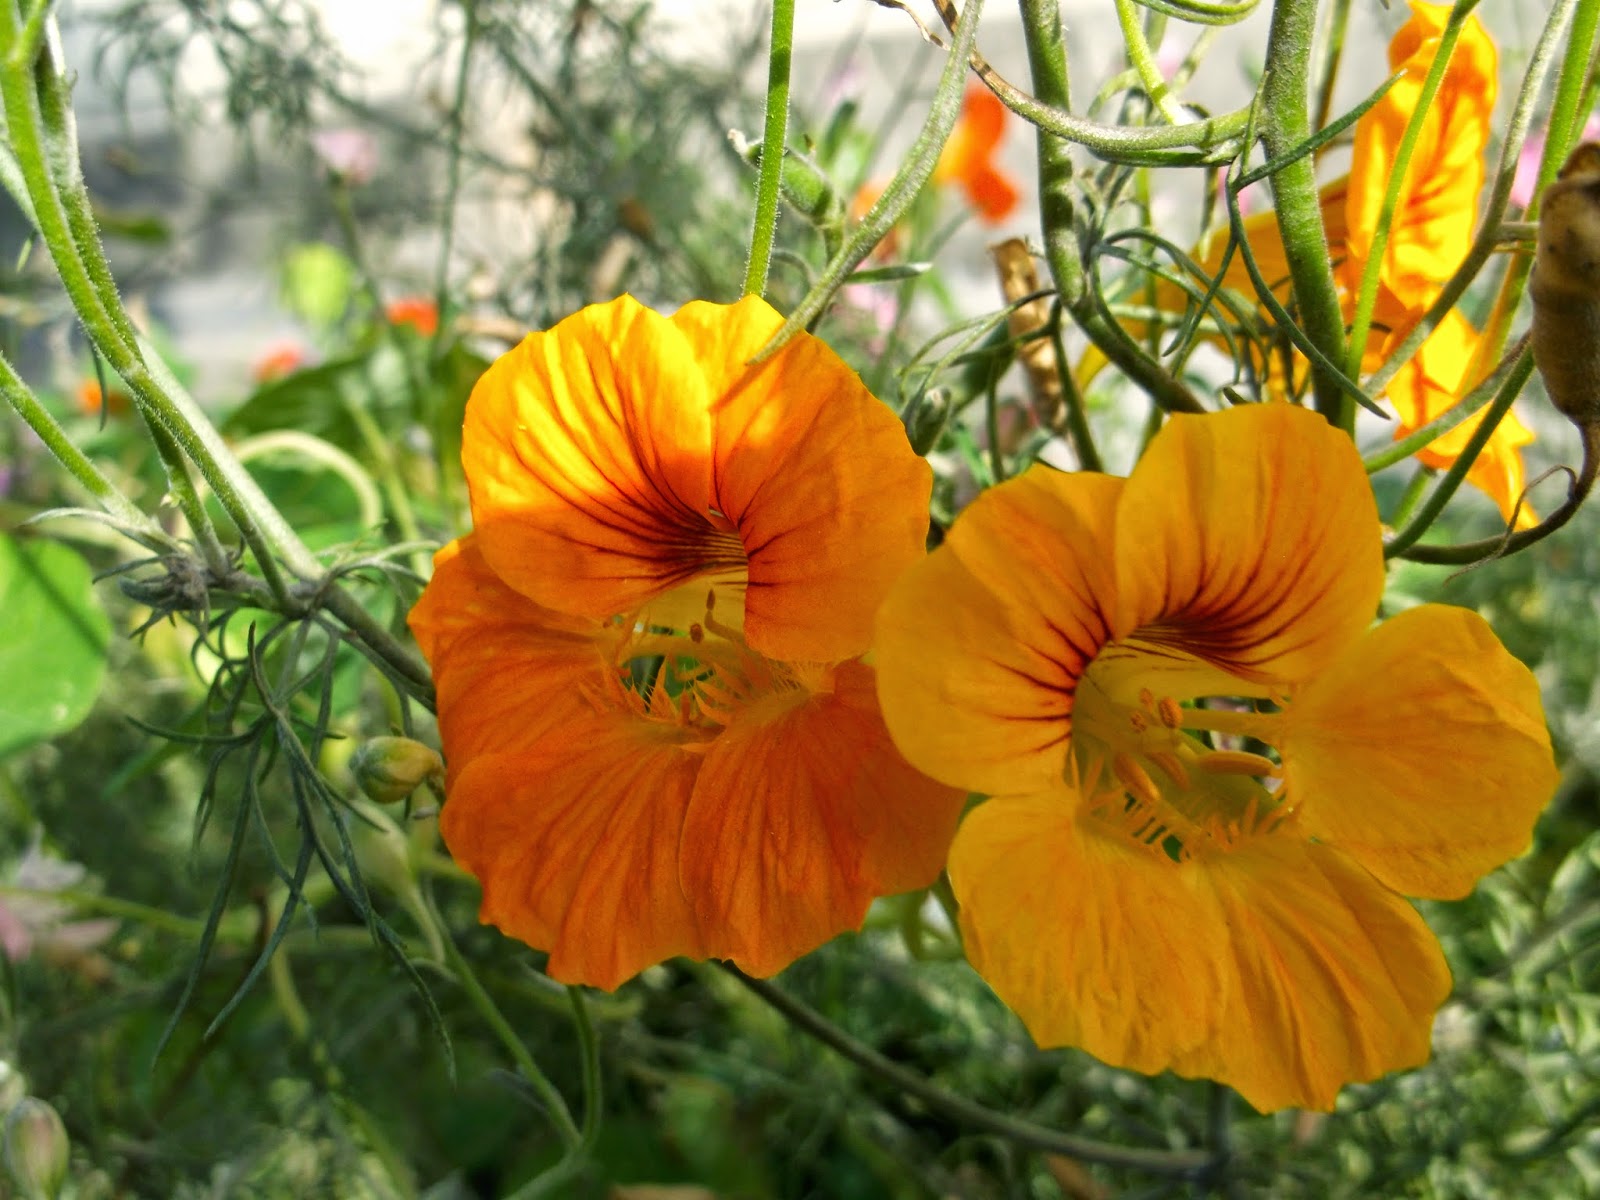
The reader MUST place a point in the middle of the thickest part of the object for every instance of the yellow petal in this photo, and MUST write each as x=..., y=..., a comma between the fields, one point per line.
x=575, y=840
x=1333, y=979
x=816, y=475
x=1093, y=942
x=803, y=813
x=1250, y=539
x=505, y=669
x=1422, y=752
x=980, y=646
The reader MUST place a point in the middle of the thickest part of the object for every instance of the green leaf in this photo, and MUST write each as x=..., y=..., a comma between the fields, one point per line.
x=318, y=283
x=53, y=638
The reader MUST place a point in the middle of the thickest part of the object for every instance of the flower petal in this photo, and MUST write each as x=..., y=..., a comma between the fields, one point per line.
x=1334, y=979
x=1093, y=942
x=1249, y=538
x=981, y=645
x=1422, y=753
x=575, y=840
x=816, y=477
x=506, y=669
x=587, y=451
x=1278, y=968
x=803, y=813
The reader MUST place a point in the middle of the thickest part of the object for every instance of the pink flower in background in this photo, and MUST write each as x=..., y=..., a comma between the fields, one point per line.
x=1528, y=161
x=350, y=154
x=36, y=922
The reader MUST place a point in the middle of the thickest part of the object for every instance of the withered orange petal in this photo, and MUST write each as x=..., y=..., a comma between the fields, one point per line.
x=575, y=840
x=802, y=814
x=815, y=476
x=1335, y=979
x=1250, y=539
x=587, y=451
x=980, y=646
x=506, y=669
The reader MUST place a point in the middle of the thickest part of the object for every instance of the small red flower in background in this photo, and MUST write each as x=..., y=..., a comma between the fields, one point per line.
x=968, y=157
x=416, y=311
x=91, y=400
x=281, y=360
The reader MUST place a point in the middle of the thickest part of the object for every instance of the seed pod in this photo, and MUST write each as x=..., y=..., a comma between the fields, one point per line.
x=1565, y=288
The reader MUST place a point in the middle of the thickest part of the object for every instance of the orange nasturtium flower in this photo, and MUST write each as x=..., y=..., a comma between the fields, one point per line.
x=1104, y=656
x=661, y=738
x=967, y=159
x=418, y=312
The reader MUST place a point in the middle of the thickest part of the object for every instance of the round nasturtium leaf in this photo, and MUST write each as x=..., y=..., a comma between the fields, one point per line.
x=53, y=637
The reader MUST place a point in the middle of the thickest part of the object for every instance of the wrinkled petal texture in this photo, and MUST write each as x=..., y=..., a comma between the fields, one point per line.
x=802, y=813
x=1422, y=753
x=980, y=646
x=1281, y=968
x=506, y=669
x=815, y=473
x=1438, y=200
x=622, y=453
x=575, y=840
x=1249, y=539
x=1431, y=384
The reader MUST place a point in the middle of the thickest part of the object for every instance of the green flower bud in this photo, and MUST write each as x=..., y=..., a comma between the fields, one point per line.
x=13, y=1087
x=390, y=768
x=36, y=1148
x=926, y=418
x=805, y=188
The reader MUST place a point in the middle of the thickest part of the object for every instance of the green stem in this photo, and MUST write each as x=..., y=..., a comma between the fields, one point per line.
x=578, y=1154
x=1285, y=124
x=452, y=186
x=1372, y=269
x=772, y=140
x=394, y=489
x=1565, y=118
x=180, y=483
x=549, y=1096
x=1144, y=63
x=1179, y=1163
x=1333, y=52
x=55, y=439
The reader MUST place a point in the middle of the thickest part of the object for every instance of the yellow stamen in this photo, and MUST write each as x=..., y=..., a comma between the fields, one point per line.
x=1135, y=778
x=1171, y=766
x=1171, y=712
x=1237, y=762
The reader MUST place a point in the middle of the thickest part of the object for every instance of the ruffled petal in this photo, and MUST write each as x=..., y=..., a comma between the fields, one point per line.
x=981, y=645
x=1093, y=942
x=1422, y=753
x=587, y=451
x=1249, y=538
x=575, y=840
x=816, y=478
x=1278, y=967
x=803, y=813
x=1438, y=199
x=1333, y=979
x=506, y=669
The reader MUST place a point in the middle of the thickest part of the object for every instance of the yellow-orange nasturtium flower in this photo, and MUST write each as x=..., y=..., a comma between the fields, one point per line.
x=1429, y=234
x=1162, y=900
x=659, y=734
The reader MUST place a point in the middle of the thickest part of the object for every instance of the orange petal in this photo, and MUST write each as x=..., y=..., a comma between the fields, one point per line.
x=1438, y=200
x=1249, y=538
x=815, y=475
x=506, y=669
x=991, y=194
x=575, y=840
x=803, y=813
x=587, y=453
x=1334, y=979
x=980, y=646
x=1278, y=968
x=1093, y=943
x=1422, y=753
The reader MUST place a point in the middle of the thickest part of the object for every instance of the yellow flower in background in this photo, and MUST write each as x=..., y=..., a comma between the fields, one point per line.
x=1429, y=235
x=659, y=733
x=1214, y=780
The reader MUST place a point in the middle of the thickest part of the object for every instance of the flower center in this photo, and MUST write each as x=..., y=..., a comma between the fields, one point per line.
x=697, y=675
x=1149, y=776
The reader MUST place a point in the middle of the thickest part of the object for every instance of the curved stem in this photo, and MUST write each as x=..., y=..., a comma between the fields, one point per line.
x=1187, y=1164
x=772, y=139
